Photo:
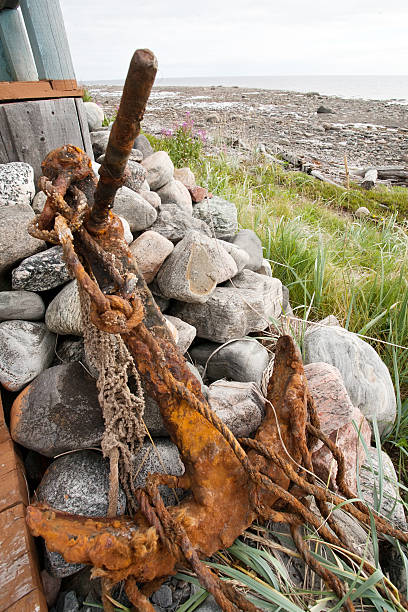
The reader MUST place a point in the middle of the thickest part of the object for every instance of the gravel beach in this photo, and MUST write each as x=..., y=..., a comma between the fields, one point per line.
x=367, y=132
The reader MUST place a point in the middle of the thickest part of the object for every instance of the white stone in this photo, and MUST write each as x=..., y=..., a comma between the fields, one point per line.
x=127, y=234
x=26, y=349
x=150, y=251
x=16, y=184
x=159, y=168
x=63, y=315
x=134, y=208
x=194, y=268
x=185, y=333
x=174, y=192
x=94, y=115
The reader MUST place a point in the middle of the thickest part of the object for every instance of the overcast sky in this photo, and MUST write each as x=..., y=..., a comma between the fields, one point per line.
x=239, y=37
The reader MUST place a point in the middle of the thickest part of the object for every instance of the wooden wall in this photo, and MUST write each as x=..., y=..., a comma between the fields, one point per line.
x=30, y=130
x=20, y=583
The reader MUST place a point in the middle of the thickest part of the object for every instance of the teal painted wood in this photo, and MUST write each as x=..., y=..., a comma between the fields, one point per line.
x=5, y=74
x=45, y=28
x=16, y=46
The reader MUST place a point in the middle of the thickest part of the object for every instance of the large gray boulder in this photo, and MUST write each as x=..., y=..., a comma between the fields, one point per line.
x=134, y=208
x=63, y=315
x=244, y=305
x=16, y=184
x=193, y=269
x=248, y=241
x=26, y=349
x=159, y=168
x=21, y=305
x=41, y=271
x=365, y=375
x=77, y=483
x=58, y=412
x=220, y=215
x=15, y=241
x=173, y=223
x=241, y=360
x=174, y=192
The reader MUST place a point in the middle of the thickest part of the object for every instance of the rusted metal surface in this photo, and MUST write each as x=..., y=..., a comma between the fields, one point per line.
x=228, y=487
x=139, y=82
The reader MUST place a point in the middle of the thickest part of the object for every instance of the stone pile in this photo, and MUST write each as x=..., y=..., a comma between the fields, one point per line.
x=210, y=280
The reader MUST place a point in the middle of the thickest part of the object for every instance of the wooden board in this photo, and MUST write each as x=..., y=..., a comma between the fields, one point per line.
x=20, y=583
x=38, y=90
x=30, y=130
x=18, y=568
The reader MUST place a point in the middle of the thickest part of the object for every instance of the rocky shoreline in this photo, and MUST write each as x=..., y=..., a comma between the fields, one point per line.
x=367, y=132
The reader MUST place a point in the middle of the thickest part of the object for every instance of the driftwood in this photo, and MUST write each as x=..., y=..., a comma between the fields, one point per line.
x=228, y=487
x=370, y=178
x=321, y=177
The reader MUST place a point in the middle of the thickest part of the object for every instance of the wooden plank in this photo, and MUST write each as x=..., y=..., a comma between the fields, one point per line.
x=45, y=28
x=18, y=568
x=83, y=124
x=36, y=90
x=30, y=130
x=13, y=488
x=33, y=602
x=16, y=46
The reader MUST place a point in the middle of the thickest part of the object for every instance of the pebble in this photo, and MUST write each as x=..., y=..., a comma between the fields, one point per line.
x=26, y=349
x=41, y=271
x=240, y=257
x=163, y=597
x=127, y=234
x=21, y=305
x=152, y=197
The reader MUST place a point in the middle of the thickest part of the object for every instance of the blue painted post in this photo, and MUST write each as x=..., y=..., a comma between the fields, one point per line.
x=16, y=47
x=45, y=28
x=5, y=74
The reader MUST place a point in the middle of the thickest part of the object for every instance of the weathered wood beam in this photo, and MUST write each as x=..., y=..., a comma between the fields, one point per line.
x=370, y=178
x=45, y=28
x=16, y=46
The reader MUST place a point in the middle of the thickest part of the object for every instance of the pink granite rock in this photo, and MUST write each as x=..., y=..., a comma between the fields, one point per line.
x=336, y=414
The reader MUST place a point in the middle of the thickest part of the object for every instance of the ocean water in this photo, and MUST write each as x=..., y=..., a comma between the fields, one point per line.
x=371, y=87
